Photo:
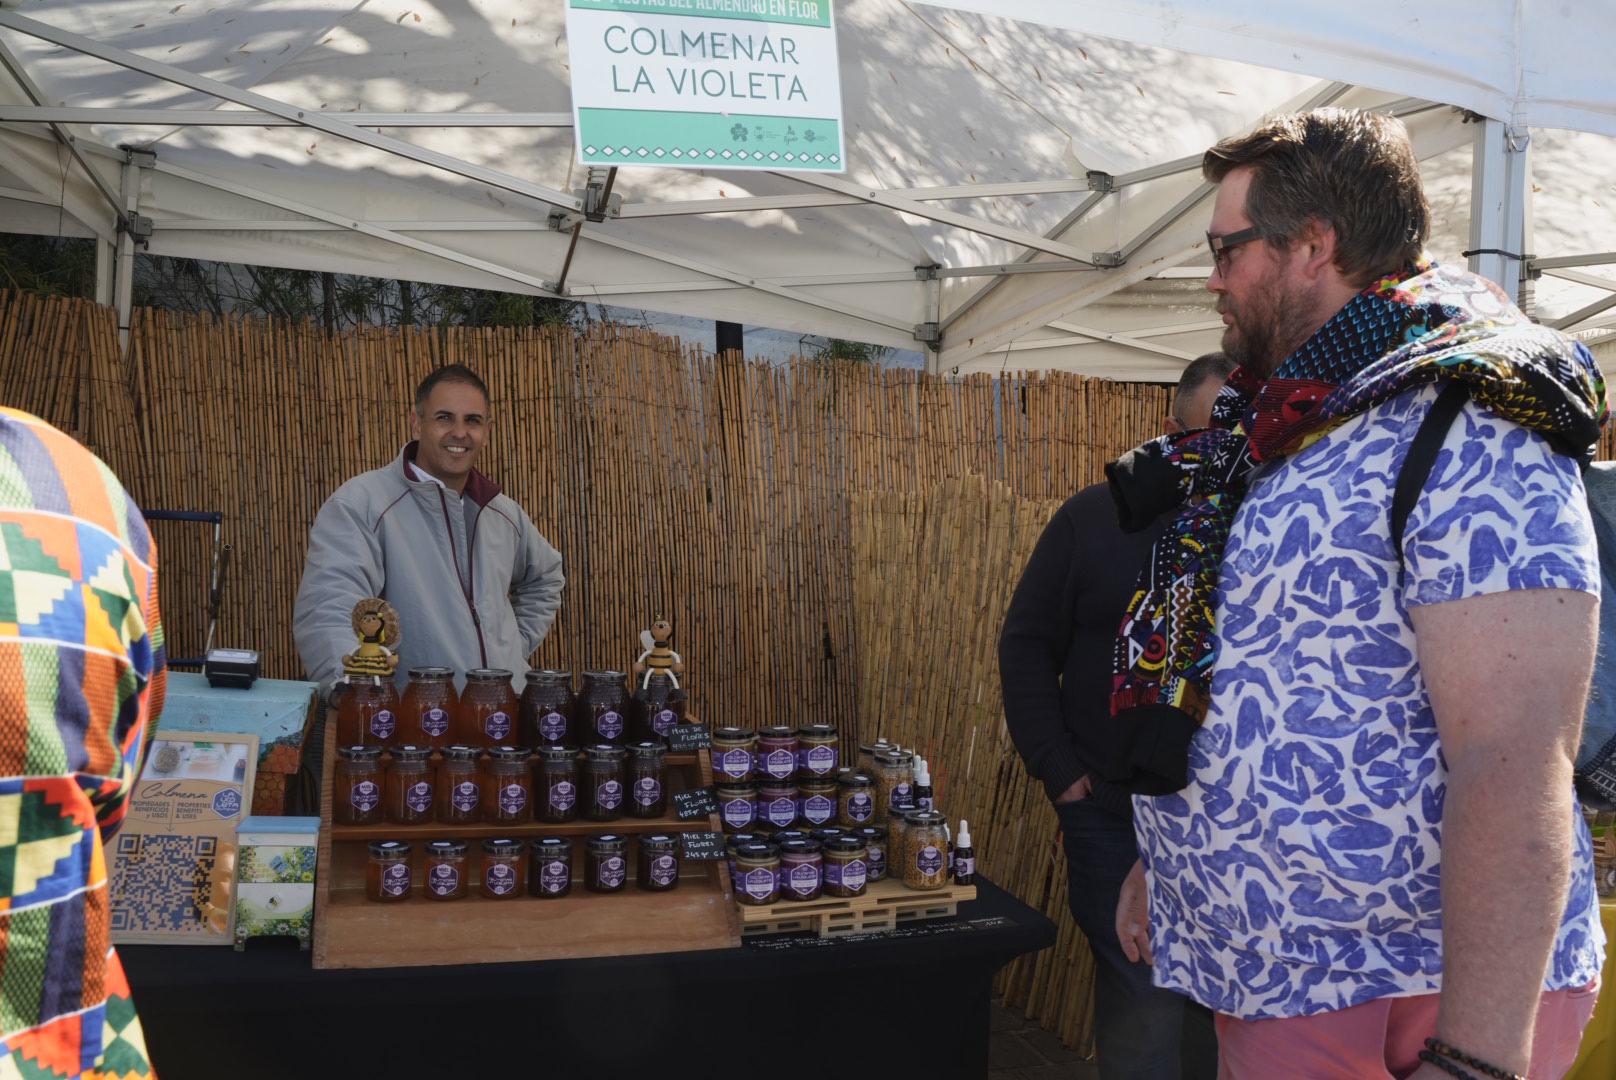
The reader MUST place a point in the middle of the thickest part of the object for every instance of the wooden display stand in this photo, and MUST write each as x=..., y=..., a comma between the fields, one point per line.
x=884, y=905
x=352, y=932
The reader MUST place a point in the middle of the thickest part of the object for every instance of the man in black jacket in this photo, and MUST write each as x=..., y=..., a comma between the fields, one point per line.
x=1055, y=665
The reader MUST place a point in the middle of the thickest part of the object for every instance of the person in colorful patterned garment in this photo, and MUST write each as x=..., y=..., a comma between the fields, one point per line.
x=81, y=679
x=1054, y=667
x=1360, y=842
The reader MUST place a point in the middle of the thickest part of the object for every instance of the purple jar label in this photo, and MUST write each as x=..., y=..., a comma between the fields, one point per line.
x=803, y=880
x=818, y=809
x=780, y=812
x=780, y=764
x=382, y=723
x=663, y=722
x=925, y=804
x=499, y=878
x=365, y=795
x=821, y=760
x=854, y=875
x=609, y=796
x=759, y=883
x=833, y=873
x=929, y=861
x=739, y=813
x=646, y=791
x=613, y=871
x=664, y=870
x=552, y=727
x=512, y=799
x=464, y=796
x=609, y=724
x=435, y=722
x=735, y=763
x=903, y=795
x=418, y=797
x=555, y=877
x=443, y=880
x=860, y=807
x=497, y=726
x=964, y=867
x=396, y=879
x=878, y=863
x=562, y=795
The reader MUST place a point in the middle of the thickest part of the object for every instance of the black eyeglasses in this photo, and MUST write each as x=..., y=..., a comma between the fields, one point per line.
x=1222, y=245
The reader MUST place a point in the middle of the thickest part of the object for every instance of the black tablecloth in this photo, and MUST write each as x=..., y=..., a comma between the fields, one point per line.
x=777, y=1007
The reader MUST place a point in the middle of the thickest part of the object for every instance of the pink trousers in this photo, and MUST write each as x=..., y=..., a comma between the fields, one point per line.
x=1382, y=1040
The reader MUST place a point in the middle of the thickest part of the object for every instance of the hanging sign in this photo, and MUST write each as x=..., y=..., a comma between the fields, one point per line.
x=706, y=84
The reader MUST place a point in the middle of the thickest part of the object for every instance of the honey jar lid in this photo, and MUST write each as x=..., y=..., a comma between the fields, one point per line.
x=778, y=731
x=552, y=845
x=460, y=753
x=604, y=675
x=661, y=843
x=605, y=752
x=410, y=753
x=855, y=779
x=548, y=675
x=894, y=757
x=782, y=836
x=817, y=731
x=359, y=753
x=804, y=846
x=870, y=832
x=828, y=832
x=925, y=818
x=653, y=750
x=502, y=845
x=757, y=851
x=431, y=673
x=607, y=843
x=734, y=734
x=509, y=753
x=489, y=674
x=446, y=847
x=390, y=850
x=556, y=752
x=844, y=845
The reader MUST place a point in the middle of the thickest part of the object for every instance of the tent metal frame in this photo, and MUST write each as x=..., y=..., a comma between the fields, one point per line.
x=1500, y=214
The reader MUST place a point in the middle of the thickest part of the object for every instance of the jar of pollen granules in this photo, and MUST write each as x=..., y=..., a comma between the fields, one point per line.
x=925, y=850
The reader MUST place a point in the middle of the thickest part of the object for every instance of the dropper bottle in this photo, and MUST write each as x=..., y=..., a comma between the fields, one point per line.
x=964, y=856
x=923, y=795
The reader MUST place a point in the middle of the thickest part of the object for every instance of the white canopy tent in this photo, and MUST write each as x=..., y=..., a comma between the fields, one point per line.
x=1022, y=186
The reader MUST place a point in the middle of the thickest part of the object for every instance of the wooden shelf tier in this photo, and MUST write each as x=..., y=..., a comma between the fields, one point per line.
x=476, y=830
x=351, y=931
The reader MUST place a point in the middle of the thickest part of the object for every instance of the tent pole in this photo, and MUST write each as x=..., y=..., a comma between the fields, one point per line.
x=105, y=253
x=1498, y=203
x=123, y=288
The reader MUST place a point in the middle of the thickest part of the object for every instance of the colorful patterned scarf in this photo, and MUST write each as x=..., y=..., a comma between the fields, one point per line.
x=1404, y=331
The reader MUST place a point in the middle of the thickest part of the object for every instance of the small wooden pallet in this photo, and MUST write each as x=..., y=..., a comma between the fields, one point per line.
x=883, y=906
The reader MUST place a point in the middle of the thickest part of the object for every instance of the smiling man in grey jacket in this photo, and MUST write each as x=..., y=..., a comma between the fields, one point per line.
x=474, y=584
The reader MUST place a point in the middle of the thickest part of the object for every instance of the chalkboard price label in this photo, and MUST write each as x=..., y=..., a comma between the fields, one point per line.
x=686, y=737
x=703, y=846
x=694, y=804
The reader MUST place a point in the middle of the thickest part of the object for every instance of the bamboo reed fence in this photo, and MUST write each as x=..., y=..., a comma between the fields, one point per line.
x=834, y=542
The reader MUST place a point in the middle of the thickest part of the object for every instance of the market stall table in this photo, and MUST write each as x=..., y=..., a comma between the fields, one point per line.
x=914, y=1000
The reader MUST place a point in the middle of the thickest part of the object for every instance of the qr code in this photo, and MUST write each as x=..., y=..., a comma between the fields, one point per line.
x=162, y=882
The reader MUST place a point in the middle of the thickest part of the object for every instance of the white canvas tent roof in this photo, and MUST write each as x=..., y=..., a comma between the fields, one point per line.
x=431, y=140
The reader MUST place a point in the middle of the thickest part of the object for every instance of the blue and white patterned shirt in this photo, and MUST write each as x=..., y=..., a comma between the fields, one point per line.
x=1299, y=871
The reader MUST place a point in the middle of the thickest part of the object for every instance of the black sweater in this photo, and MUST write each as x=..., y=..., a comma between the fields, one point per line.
x=1056, y=647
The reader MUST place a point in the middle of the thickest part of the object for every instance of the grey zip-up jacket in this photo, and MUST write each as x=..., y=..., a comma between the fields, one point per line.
x=473, y=582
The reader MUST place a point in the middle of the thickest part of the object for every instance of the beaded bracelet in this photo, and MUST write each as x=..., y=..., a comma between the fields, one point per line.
x=1447, y=1066
x=1437, y=1046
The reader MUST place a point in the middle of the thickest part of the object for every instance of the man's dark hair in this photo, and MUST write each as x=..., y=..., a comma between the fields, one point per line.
x=1197, y=373
x=1353, y=171
x=449, y=373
